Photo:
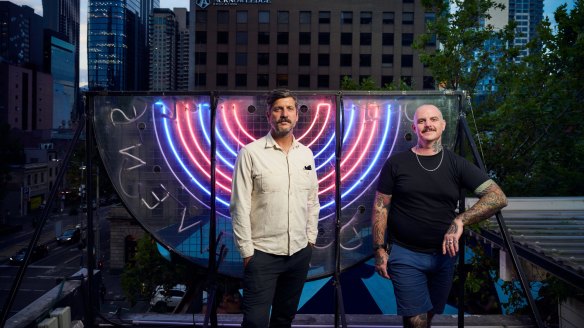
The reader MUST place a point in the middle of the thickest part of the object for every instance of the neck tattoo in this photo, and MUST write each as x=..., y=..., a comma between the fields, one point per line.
x=430, y=170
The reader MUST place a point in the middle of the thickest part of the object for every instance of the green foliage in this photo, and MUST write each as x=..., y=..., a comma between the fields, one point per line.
x=467, y=49
x=531, y=128
x=369, y=84
x=149, y=269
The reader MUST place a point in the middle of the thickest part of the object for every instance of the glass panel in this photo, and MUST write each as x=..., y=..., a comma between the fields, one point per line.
x=156, y=150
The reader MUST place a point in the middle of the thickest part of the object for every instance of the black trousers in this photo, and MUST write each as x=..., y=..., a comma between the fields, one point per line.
x=276, y=281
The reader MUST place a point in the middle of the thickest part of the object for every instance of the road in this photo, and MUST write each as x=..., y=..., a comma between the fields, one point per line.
x=44, y=274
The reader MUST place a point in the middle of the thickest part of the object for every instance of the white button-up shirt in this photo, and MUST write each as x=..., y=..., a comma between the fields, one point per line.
x=274, y=198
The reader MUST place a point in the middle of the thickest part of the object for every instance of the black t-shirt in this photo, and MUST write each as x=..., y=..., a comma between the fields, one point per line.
x=423, y=203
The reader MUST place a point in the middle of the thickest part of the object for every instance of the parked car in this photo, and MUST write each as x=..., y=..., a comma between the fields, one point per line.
x=69, y=236
x=38, y=252
x=169, y=298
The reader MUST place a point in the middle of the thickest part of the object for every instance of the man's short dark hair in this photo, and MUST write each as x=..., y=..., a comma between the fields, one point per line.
x=279, y=94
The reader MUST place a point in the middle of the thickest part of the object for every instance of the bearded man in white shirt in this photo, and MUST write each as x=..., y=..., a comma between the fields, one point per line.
x=274, y=208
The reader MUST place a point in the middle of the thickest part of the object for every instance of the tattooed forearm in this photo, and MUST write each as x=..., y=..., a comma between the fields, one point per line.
x=379, y=217
x=452, y=229
x=491, y=200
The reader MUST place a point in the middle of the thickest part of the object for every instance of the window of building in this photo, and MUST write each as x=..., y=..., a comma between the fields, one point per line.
x=365, y=39
x=324, y=17
x=408, y=18
x=346, y=17
x=263, y=37
x=387, y=18
x=346, y=60
x=386, y=61
x=222, y=79
x=428, y=83
x=407, y=80
x=222, y=37
x=282, y=59
x=304, y=37
x=241, y=37
x=283, y=17
x=264, y=17
x=366, y=17
x=263, y=80
x=200, y=79
x=241, y=16
x=241, y=58
x=201, y=58
x=201, y=37
x=324, y=38
x=323, y=81
x=304, y=81
x=346, y=38
x=201, y=18
x=222, y=58
x=222, y=17
x=282, y=80
x=263, y=58
x=407, y=60
x=408, y=1
x=323, y=60
x=365, y=60
x=386, y=80
x=407, y=39
x=282, y=38
x=387, y=39
x=305, y=17
x=304, y=59
x=241, y=80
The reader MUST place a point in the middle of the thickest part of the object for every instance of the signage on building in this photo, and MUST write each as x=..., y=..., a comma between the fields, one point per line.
x=206, y=3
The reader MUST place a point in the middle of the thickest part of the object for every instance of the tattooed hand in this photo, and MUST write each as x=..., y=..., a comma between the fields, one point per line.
x=381, y=263
x=451, y=237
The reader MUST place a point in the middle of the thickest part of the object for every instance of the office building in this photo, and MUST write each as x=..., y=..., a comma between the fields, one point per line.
x=63, y=16
x=21, y=35
x=59, y=61
x=306, y=44
x=116, y=46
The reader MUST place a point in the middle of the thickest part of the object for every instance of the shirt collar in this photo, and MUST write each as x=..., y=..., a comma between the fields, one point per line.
x=271, y=143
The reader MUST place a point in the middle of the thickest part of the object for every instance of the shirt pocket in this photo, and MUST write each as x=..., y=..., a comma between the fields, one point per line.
x=272, y=182
x=304, y=179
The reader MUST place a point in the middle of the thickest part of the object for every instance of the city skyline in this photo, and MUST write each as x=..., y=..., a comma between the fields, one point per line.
x=549, y=8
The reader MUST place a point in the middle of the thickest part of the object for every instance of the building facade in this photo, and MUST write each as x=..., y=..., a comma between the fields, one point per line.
x=63, y=16
x=306, y=44
x=21, y=36
x=116, y=39
x=163, y=53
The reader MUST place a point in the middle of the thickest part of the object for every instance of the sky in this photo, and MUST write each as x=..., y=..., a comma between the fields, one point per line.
x=549, y=6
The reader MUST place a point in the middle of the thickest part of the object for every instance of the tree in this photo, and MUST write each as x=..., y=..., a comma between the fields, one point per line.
x=149, y=269
x=532, y=126
x=466, y=48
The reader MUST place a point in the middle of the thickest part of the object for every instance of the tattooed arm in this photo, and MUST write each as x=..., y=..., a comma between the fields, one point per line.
x=379, y=226
x=491, y=200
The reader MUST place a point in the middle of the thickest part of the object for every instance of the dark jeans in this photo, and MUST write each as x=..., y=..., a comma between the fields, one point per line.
x=276, y=281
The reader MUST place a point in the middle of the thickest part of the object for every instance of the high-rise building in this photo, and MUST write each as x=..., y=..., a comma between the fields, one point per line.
x=163, y=37
x=116, y=51
x=21, y=36
x=526, y=13
x=184, y=69
x=60, y=57
x=63, y=16
x=306, y=44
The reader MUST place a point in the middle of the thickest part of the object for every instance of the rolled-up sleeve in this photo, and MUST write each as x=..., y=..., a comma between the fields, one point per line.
x=240, y=204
